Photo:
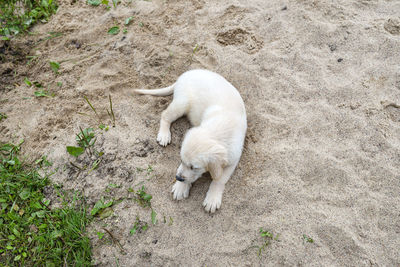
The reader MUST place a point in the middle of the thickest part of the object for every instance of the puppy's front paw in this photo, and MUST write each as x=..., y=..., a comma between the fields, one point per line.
x=180, y=190
x=212, y=202
x=164, y=138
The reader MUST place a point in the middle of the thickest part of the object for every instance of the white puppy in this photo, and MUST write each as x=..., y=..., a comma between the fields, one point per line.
x=216, y=110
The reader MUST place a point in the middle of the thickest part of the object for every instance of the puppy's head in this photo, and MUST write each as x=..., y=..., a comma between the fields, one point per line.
x=200, y=154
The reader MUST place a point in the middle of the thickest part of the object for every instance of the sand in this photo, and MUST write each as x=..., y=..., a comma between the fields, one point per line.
x=321, y=84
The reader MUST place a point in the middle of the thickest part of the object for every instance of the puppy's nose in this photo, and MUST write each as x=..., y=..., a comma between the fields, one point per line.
x=179, y=178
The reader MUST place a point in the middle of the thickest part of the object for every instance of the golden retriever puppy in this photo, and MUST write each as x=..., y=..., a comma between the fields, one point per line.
x=216, y=110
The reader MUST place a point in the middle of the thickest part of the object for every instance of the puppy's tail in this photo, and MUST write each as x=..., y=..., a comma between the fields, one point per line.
x=157, y=92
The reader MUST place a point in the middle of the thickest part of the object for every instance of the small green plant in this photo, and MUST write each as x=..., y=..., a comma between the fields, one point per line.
x=128, y=20
x=153, y=217
x=85, y=139
x=113, y=30
x=143, y=198
x=55, y=66
x=100, y=206
x=268, y=237
x=100, y=235
x=43, y=162
x=43, y=93
x=115, y=3
x=27, y=82
x=35, y=83
x=138, y=227
x=308, y=239
x=3, y=116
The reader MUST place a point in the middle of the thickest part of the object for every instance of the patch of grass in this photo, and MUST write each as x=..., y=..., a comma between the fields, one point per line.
x=17, y=16
x=32, y=233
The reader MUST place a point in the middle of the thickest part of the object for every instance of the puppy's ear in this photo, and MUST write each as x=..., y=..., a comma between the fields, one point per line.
x=218, y=159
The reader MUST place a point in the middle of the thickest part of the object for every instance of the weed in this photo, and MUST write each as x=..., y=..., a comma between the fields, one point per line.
x=90, y=104
x=95, y=164
x=138, y=227
x=308, y=239
x=31, y=58
x=268, y=237
x=128, y=20
x=27, y=82
x=103, y=127
x=55, y=66
x=32, y=233
x=100, y=235
x=17, y=16
x=143, y=198
x=86, y=138
x=43, y=93
x=3, y=116
x=196, y=48
x=100, y=206
x=43, y=162
x=115, y=3
x=75, y=151
x=113, y=30
x=153, y=217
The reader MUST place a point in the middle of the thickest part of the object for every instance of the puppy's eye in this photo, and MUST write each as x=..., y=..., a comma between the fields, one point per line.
x=193, y=167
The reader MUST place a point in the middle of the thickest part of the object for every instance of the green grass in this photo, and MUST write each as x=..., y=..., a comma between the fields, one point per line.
x=31, y=232
x=17, y=16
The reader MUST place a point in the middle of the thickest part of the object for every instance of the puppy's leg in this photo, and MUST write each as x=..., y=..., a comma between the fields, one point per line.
x=175, y=110
x=213, y=199
x=180, y=190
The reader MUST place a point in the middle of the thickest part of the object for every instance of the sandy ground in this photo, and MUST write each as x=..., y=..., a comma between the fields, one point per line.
x=321, y=84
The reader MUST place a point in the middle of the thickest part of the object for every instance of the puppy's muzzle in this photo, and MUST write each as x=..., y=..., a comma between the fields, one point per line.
x=179, y=178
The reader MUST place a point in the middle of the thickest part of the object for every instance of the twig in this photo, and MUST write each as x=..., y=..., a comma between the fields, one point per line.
x=114, y=240
x=112, y=111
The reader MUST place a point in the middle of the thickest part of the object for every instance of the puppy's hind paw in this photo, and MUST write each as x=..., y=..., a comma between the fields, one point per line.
x=212, y=202
x=180, y=190
x=164, y=138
